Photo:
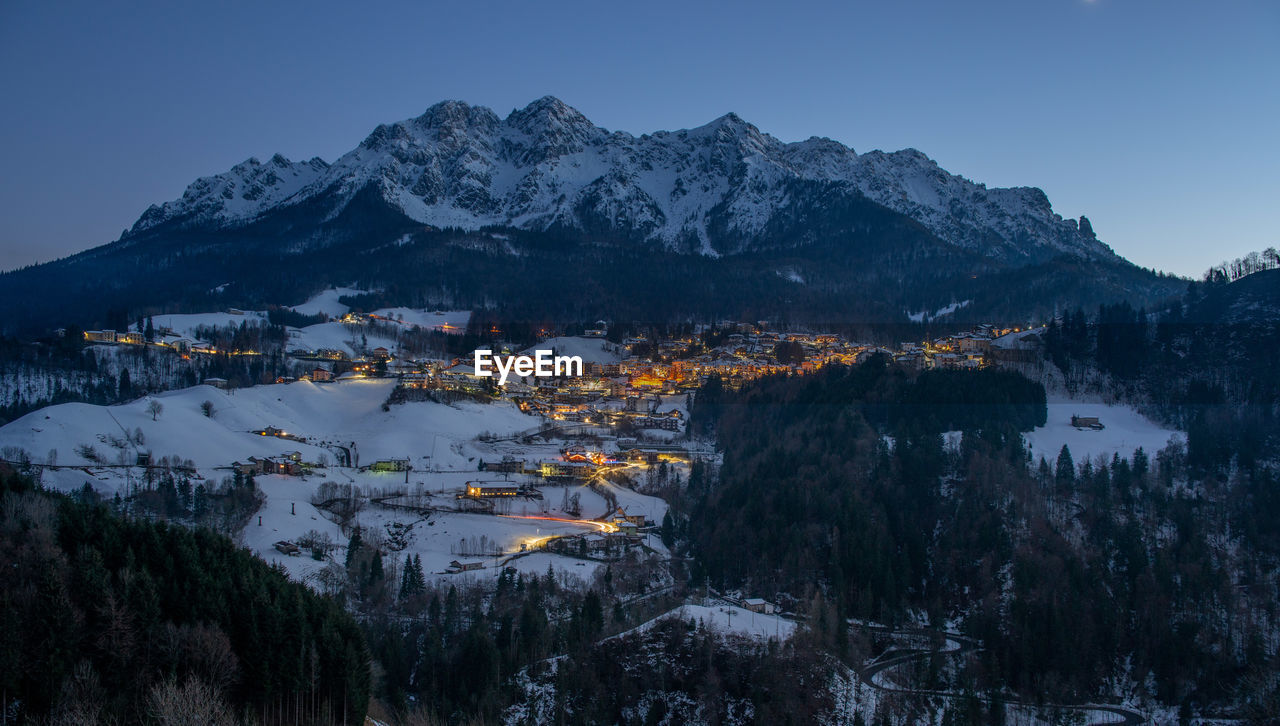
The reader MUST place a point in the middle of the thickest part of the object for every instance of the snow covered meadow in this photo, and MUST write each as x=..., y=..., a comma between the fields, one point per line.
x=76, y=443
x=1124, y=431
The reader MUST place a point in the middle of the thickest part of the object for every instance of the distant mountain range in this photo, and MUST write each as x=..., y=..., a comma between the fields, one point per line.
x=545, y=214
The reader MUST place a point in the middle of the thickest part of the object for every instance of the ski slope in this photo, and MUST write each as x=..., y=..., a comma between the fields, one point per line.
x=326, y=302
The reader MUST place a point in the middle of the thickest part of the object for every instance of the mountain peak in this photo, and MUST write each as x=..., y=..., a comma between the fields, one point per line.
x=734, y=123
x=547, y=111
x=548, y=105
x=446, y=109
x=712, y=188
x=456, y=115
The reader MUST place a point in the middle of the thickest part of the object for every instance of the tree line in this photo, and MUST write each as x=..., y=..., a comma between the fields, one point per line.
x=838, y=494
x=115, y=620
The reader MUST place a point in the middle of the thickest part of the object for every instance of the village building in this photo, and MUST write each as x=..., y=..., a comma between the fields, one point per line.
x=285, y=465
x=390, y=465
x=100, y=336
x=485, y=490
x=319, y=375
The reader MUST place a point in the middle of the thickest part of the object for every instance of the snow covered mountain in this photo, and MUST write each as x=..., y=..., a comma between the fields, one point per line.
x=544, y=215
x=713, y=190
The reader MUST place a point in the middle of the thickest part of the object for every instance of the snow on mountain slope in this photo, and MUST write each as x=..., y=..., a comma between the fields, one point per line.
x=711, y=189
x=242, y=193
x=944, y=310
x=326, y=301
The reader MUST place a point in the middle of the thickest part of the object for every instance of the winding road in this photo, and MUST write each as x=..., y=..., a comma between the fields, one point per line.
x=956, y=644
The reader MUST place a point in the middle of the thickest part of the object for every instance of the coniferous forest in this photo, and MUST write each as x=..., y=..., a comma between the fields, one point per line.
x=841, y=488
x=109, y=620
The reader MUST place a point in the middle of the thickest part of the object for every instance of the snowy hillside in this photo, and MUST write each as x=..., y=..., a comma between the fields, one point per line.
x=327, y=302
x=438, y=440
x=713, y=189
x=345, y=412
x=185, y=324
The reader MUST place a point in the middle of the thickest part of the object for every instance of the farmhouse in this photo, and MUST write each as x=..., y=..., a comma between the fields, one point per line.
x=320, y=375
x=480, y=489
x=288, y=464
x=1086, y=422
x=759, y=605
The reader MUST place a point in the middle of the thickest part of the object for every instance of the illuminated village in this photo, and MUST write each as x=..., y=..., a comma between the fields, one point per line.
x=574, y=474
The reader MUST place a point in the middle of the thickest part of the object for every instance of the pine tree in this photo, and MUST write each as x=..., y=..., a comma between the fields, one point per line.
x=353, y=546
x=1066, y=469
x=376, y=573
x=406, y=579
x=591, y=615
x=413, y=581
x=199, y=502
x=1140, y=463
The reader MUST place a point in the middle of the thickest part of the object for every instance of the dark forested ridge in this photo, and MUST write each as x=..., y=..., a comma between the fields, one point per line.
x=108, y=620
x=1076, y=575
x=1205, y=364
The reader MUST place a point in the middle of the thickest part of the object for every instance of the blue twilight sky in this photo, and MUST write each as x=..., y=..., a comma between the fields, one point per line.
x=1156, y=118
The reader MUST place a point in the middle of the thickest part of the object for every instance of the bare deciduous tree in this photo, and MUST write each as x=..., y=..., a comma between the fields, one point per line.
x=193, y=702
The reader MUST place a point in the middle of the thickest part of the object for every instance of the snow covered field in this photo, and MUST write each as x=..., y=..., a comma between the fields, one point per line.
x=185, y=324
x=348, y=411
x=1125, y=430
x=327, y=302
x=538, y=562
x=350, y=339
x=438, y=439
x=446, y=321
x=729, y=619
